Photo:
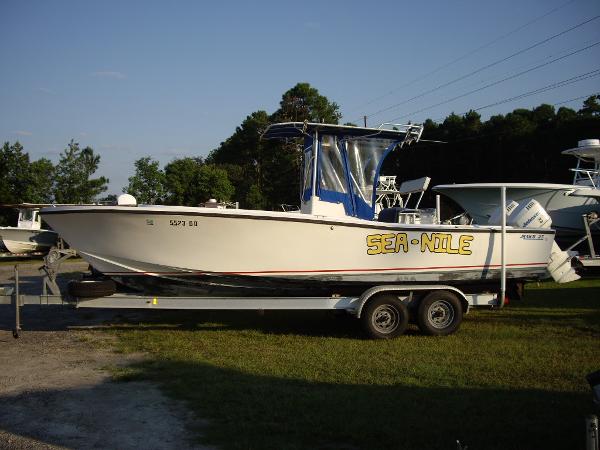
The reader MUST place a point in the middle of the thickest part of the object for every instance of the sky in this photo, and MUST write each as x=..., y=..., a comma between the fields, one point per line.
x=175, y=78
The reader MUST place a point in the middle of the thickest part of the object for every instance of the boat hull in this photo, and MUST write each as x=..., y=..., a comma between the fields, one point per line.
x=217, y=252
x=20, y=240
x=481, y=200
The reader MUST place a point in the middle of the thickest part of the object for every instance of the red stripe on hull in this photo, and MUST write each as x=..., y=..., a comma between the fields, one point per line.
x=270, y=272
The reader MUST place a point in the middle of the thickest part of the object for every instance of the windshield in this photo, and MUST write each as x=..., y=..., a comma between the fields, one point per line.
x=333, y=175
x=26, y=214
x=308, y=166
x=364, y=156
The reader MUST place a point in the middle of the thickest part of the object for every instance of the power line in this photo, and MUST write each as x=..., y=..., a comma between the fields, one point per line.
x=556, y=85
x=466, y=55
x=576, y=98
x=585, y=76
x=511, y=77
x=487, y=66
x=438, y=120
x=530, y=61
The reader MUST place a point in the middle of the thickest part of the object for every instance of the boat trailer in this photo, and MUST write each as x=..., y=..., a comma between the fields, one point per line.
x=380, y=307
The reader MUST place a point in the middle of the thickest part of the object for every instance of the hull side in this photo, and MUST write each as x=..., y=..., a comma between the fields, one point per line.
x=214, y=251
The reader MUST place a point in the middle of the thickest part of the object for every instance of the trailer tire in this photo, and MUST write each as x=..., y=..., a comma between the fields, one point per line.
x=385, y=317
x=92, y=288
x=440, y=313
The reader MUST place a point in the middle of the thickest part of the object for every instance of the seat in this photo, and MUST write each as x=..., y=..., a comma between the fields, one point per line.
x=404, y=213
x=410, y=187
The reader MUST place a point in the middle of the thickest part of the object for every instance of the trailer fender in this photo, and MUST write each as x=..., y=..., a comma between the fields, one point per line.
x=408, y=290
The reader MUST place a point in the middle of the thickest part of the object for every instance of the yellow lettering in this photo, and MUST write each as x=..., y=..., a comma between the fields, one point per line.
x=441, y=242
x=433, y=242
x=374, y=244
x=463, y=244
x=387, y=243
x=452, y=251
x=401, y=241
x=427, y=242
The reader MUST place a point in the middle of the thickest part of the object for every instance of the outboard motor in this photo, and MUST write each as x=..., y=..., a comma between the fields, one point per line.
x=530, y=214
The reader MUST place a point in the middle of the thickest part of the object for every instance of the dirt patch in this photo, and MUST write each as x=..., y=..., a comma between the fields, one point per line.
x=56, y=391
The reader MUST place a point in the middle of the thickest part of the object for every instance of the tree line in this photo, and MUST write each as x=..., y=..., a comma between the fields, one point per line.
x=523, y=145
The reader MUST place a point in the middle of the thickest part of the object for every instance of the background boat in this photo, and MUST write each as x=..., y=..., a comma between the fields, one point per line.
x=28, y=236
x=566, y=203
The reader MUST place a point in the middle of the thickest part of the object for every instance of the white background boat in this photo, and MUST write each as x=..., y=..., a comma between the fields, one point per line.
x=28, y=236
x=566, y=203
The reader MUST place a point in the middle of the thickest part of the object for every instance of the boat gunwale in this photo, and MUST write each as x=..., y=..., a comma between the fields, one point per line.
x=292, y=217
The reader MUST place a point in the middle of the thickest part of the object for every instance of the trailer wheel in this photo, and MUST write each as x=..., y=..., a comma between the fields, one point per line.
x=92, y=288
x=385, y=317
x=439, y=314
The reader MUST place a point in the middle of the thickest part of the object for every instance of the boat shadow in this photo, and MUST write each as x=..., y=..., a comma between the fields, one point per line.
x=326, y=324
x=303, y=323
x=236, y=409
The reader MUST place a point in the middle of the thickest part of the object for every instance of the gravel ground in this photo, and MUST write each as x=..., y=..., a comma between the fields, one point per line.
x=56, y=392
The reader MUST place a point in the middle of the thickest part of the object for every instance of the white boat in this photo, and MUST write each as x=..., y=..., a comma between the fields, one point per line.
x=333, y=246
x=566, y=203
x=28, y=236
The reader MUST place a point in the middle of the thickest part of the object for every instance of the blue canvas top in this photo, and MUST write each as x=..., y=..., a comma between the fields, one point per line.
x=342, y=163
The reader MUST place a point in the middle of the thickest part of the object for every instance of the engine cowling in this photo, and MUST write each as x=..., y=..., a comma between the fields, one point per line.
x=531, y=214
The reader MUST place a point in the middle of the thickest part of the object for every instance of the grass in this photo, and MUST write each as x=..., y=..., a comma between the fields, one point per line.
x=512, y=378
